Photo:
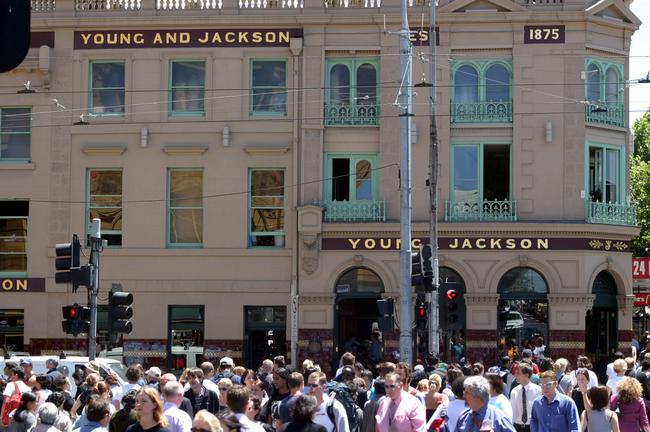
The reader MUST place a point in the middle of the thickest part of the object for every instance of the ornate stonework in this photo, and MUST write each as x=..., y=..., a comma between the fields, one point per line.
x=573, y=299
x=474, y=299
x=322, y=299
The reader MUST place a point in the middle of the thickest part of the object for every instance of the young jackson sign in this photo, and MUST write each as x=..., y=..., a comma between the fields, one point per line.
x=208, y=38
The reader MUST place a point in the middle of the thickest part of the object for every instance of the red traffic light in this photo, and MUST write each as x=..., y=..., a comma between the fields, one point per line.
x=422, y=312
x=69, y=312
x=452, y=295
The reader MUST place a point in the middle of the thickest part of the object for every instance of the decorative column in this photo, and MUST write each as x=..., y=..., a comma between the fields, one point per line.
x=625, y=310
x=481, y=333
x=567, y=324
x=316, y=332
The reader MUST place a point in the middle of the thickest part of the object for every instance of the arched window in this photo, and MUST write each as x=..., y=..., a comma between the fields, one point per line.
x=359, y=280
x=611, y=86
x=601, y=322
x=593, y=83
x=340, y=84
x=497, y=84
x=367, y=84
x=466, y=85
x=522, y=312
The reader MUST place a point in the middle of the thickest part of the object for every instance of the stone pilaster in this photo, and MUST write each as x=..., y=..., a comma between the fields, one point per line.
x=567, y=324
x=481, y=333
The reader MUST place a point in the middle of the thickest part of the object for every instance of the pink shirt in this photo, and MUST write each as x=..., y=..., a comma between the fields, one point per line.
x=409, y=415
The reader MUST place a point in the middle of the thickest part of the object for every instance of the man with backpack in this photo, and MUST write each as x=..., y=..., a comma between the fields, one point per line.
x=331, y=413
x=12, y=393
x=225, y=371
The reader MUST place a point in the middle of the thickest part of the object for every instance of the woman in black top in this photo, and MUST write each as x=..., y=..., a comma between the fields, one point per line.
x=303, y=413
x=579, y=393
x=149, y=410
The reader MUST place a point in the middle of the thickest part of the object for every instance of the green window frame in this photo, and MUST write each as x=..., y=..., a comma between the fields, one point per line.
x=266, y=207
x=185, y=207
x=106, y=87
x=606, y=157
x=268, y=88
x=14, y=220
x=352, y=96
x=604, y=92
x=15, y=134
x=187, y=87
x=478, y=91
x=335, y=180
x=104, y=201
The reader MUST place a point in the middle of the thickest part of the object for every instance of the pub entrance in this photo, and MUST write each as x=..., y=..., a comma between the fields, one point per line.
x=265, y=334
x=356, y=315
x=601, y=324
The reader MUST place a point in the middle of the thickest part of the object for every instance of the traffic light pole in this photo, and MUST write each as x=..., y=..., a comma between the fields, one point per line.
x=434, y=321
x=93, y=291
x=405, y=101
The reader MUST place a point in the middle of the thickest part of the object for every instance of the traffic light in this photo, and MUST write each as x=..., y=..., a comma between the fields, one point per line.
x=67, y=258
x=14, y=33
x=416, y=269
x=76, y=319
x=421, y=317
x=426, y=257
x=385, y=307
x=120, y=313
x=452, y=306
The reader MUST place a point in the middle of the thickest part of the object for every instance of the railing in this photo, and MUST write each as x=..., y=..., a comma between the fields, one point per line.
x=606, y=114
x=352, y=4
x=481, y=112
x=354, y=211
x=351, y=114
x=84, y=5
x=271, y=4
x=610, y=213
x=178, y=5
x=538, y=2
x=487, y=211
x=43, y=5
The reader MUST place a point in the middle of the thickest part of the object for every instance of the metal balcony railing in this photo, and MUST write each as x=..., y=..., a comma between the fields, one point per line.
x=605, y=114
x=351, y=114
x=354, y=211
x=610, y=213
x=481, y=211
x=481, y=112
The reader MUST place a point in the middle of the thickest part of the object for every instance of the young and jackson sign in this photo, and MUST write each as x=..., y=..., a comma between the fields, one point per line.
x=196, y=38
x=480, y=243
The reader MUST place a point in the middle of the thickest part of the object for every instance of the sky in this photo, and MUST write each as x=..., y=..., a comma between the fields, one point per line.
x=640, y=61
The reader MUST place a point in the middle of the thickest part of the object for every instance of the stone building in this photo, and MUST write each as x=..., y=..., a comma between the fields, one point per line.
x=243, y=158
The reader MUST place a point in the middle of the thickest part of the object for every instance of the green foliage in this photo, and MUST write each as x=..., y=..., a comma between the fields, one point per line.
x=640, y=183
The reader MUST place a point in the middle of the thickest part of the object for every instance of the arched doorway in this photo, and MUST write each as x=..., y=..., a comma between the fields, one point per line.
x=356, y=315
x=601, y=324
x=452, y=323
x=523, y=312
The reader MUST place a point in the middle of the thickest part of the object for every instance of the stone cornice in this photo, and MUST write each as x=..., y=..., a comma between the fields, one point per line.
x=482, y=299
x=571, y=299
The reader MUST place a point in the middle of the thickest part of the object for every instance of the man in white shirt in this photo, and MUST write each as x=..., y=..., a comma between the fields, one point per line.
x=610, y=367
x=208, y=373
x=177, y=419
x=316, y=383
x=16, y=376
x=239, y=402
x=454, y=408
x=522, y=397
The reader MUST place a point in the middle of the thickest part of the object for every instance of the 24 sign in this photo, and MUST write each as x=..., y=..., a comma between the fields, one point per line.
x=640, y=268
x=544, y=34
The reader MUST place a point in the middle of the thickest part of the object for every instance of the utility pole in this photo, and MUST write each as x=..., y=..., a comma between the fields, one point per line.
x=405, y=102
x=93, y=291
x=434, y=321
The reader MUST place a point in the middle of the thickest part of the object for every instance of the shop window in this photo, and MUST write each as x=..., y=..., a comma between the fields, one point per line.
x=187, y=87
x=522, y=312
x=481, y=91
x=266, y=208
x=606, y=183
x=351, y=92
x=265, y=334
x=268, y=87
x=481, y=183
x=605, y=92
x=186, y=334
x=14, y=217
x=105, y=202
x=107, y=87
x=185, y=207
x=15, y=134
x=359, y=280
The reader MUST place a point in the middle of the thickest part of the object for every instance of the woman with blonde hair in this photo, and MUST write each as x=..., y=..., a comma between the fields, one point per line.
x=632, y=416
x=149, y=411
x=205, y=421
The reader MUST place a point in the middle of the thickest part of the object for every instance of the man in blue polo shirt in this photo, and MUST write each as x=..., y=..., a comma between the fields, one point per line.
x=481, y=416
x=553, y=411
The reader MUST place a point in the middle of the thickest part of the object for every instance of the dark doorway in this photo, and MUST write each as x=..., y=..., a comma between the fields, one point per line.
x=12, y=335
x=265, y=334
x=356, y=319
x=601, y=324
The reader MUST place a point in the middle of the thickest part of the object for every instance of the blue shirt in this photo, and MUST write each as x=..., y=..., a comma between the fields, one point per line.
x=558, y=415
x=471, y=422
x=91, y=427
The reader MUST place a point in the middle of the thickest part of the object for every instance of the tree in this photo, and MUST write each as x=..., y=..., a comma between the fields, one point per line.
x=640, y=183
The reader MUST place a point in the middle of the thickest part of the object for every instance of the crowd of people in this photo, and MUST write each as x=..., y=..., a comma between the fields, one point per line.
x=529, y=393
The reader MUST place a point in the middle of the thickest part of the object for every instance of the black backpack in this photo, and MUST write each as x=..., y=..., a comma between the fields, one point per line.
x=345, y=395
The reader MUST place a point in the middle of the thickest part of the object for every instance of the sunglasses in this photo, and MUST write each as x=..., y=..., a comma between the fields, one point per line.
x=548, y=384
x=313, y=385
x=391, y=386
x=223, y=388
x=200, y=430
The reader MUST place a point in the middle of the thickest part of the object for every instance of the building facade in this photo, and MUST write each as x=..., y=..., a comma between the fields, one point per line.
x=243, y=158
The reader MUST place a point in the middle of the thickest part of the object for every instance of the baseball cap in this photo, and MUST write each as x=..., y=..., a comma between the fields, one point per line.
x=227, y=361
x=26, y=361
x=154, y=371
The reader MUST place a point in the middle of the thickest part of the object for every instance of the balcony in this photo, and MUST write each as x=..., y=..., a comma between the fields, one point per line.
x=610, y=213
x=354, y=211
x=351, y=114
x=613, y=115
x=481, y=211
x=481, y=112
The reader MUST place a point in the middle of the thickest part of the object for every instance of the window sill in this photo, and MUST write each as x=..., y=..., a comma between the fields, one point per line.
x=184, y=149
x=17, y=166
x=103, y=149
x=266, y=150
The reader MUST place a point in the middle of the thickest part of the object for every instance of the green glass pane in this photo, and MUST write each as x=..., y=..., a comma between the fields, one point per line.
x=267, y=202
x=106, y=182
x=267, y=220
x=15, y=120
x=522, y=280
x=339, y=84
x=465, y=181
x=108, y=75
x=13, y=263
x=15, y=146
x=267, y=100
x=269, y=73
x=186, y=226
x=13, y=227
x=267, y=183
x=12, y=245
x=188, y=73
x=188, y=100
x=111, y=218
x=108, y=101
x=186, y=188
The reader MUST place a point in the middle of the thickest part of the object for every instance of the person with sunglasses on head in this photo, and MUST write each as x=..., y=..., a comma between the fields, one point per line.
x=149, y=409
x=224, y=385
x=177, y=419
x=400, y=411
x=205, y=421
x=553, y=412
